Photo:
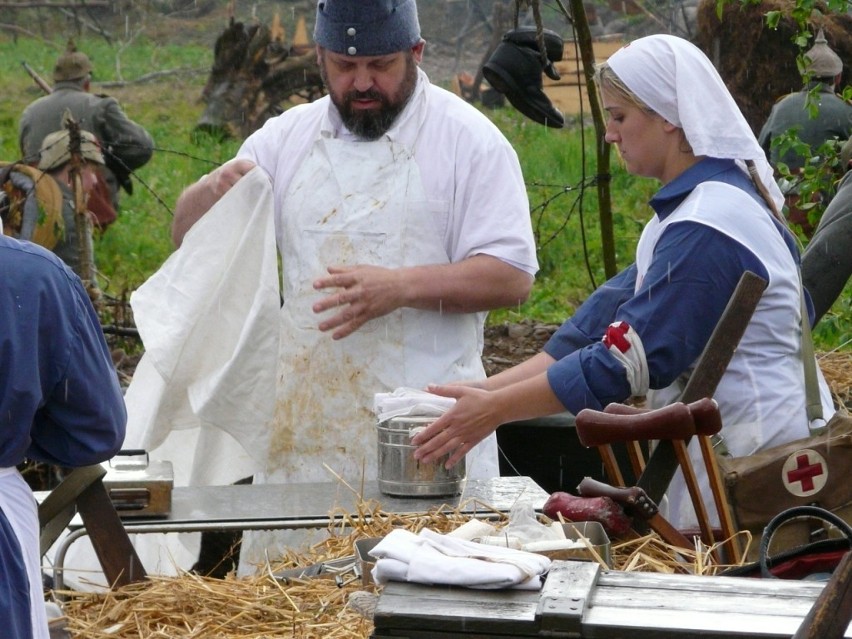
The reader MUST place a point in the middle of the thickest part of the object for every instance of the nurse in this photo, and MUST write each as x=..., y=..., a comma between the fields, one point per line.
x=640, y=334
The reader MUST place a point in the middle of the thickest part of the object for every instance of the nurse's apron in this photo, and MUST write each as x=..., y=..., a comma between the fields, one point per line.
x=19, y=507
x=358, y=203
x=748, y=424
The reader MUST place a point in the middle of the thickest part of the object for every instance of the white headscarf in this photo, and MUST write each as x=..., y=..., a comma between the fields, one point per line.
x=674, y=77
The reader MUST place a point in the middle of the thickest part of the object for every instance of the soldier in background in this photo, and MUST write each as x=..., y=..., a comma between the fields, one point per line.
x=126, y=145
x=833, y=119
x=75, y=246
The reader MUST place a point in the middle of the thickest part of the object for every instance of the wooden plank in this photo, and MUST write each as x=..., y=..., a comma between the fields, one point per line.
x=568, y=94
x=742, y=586
x=117, y=556
x=59, y=506
x=668, y=624
x=766, y=603
x=411, y=607
x=618, y=604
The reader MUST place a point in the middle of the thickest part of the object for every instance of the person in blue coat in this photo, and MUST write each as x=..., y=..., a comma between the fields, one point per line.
x=60, y=403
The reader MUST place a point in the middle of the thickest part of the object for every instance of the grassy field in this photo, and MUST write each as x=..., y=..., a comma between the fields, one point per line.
x=557, y=169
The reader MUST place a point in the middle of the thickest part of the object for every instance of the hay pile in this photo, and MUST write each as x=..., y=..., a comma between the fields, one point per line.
x=308, y=608
x=254, y=607
x=191, y=606
x=836, y=366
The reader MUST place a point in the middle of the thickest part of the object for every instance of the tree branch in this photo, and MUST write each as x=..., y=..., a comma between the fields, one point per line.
x=54, y=5
x=150, y=77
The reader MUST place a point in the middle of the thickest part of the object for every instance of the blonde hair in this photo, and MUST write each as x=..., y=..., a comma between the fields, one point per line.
x=606, y=78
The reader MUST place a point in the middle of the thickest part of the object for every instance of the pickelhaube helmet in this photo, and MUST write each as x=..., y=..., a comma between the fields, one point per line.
x=72, y=65
x=821, y=61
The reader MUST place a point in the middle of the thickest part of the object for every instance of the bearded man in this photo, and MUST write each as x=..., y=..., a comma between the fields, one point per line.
x=401, y=219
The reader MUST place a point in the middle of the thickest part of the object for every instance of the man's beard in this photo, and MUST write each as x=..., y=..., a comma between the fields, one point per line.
x=371, y=124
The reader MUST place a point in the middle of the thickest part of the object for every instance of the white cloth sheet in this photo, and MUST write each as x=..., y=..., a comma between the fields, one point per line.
x=208, y=320
x=435, y=559
x=204, y=390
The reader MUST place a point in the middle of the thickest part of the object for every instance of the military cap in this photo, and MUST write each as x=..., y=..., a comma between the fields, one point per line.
x=367, y=27
x=71, y=65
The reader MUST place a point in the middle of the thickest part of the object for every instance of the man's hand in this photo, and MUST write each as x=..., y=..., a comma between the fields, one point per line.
x=461, y=428
x=221, y=180
x=362, y=293
x=199, y=198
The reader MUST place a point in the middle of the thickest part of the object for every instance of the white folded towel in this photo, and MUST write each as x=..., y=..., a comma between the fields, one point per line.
x=432, y=558
x=410, y=401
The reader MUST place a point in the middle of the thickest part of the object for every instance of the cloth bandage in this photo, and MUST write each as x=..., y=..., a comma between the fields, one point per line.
x=626, y=346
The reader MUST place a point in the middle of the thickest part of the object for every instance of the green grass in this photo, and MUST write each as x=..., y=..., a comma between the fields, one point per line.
x=558, y=167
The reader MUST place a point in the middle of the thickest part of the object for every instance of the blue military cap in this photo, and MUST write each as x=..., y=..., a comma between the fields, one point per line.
x=367, y=27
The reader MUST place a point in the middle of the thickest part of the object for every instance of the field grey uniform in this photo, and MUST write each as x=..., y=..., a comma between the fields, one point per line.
x=126, y=144
x=834, y=120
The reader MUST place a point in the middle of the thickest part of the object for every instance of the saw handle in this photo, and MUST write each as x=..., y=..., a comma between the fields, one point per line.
x=598, y=428
x=633, y=499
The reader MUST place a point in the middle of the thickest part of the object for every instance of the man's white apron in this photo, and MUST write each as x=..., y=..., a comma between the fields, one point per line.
x=358, y=203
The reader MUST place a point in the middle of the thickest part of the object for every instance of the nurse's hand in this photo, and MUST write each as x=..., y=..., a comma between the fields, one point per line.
x=457, y=431
x=362, y=293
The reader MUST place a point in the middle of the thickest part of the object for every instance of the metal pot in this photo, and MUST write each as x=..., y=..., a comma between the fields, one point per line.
x=400, y=475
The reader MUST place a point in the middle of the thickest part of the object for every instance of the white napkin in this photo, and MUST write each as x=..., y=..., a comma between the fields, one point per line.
x=431, y=558
x=410, y=401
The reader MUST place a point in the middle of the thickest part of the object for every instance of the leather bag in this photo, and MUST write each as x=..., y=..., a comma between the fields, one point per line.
x=813, y=471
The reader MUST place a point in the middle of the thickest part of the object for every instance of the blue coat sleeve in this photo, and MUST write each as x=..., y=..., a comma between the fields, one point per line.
x=59, y=394
x=694, y=271
x=82, y=420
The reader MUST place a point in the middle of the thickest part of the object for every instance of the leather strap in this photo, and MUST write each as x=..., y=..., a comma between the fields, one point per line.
x=816, y=420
